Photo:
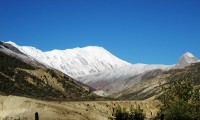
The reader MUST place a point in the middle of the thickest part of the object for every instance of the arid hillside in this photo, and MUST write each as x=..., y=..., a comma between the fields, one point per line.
x=25, y=108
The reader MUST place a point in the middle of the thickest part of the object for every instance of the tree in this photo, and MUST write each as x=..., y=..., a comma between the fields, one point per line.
x=181, y=100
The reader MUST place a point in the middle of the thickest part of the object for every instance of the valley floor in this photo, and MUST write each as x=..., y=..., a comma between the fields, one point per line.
x=25, y=108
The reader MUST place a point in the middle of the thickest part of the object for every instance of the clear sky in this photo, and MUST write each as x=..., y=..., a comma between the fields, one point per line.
x=144, y=31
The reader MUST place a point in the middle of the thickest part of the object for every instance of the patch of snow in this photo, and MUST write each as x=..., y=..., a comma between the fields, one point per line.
x=100, y=93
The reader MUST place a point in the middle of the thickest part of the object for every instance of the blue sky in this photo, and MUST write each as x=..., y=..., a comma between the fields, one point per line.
x=144, y=31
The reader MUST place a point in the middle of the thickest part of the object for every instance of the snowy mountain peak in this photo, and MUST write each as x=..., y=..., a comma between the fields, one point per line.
x=188, y=54
x=186, y=59
x=75, y=62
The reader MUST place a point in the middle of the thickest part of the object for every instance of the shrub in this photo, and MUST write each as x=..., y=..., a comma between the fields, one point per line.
x=181, y=100
x=134, y=114
x=137, y=114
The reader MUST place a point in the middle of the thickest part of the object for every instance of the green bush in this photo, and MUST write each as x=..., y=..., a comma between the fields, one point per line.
x=137, y=114
x=181, y=101
x=134, y=114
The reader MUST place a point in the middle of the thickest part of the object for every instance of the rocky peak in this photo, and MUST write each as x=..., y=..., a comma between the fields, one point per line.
x=186, y=59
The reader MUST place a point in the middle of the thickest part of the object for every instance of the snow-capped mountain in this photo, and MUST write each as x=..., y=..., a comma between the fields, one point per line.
x=98, y=68
x=185, y=60
x=92, y=65
x=75, y=62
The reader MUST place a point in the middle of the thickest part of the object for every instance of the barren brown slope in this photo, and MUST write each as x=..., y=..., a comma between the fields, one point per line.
x=151, y=88
x=20, y=107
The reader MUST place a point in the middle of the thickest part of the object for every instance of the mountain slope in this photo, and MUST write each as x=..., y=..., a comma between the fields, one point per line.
x=75, y=62
x=139, y=80
x=124, y=84
x=151, y=88
x=112, y=81
x=21, y=76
